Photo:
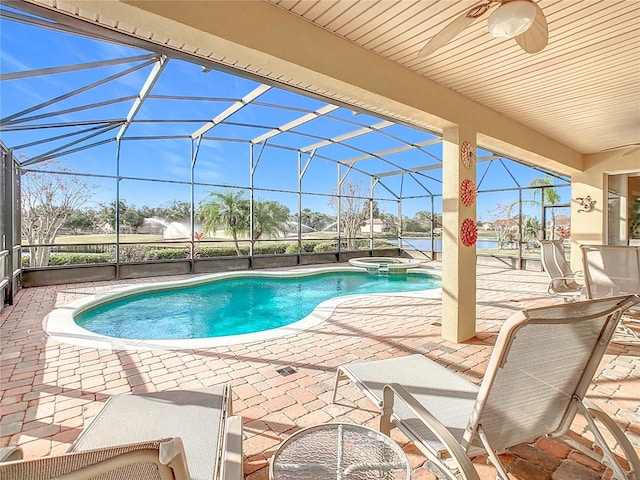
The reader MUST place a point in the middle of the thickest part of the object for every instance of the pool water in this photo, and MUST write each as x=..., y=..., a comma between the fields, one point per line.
x=235, y=306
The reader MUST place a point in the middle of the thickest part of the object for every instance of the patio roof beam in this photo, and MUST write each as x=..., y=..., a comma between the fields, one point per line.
x=73, y=68
x=421, y=184
x=75, y=109
x=157, y=137
x=348, y=135
x=398, y=139
x=193, y=99
x=12, y=118
x=17, y=128
x=289, y=108
x=379, y=182
x=303, y=170
x=409, y=170
x=152, y=78
x=170, y=120
x=62, y=148
x=428, y=167
x=509, y=173
x=67, y=152
x=334, y=160
x=404, y=148
x=231, y=110
x=295, y=123
x=58, y=137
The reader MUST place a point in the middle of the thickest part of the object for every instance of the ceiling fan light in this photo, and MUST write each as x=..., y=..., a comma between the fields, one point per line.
x=512, y=18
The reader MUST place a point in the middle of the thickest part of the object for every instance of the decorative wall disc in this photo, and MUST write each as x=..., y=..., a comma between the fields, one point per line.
x=467, y=154
x=468, y=192
x=468, y=232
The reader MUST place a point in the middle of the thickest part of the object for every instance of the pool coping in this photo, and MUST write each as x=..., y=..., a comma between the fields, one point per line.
x=59, y=324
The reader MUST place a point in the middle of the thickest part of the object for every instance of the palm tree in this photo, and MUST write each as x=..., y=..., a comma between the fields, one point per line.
x=269, y=219
x=548, y=196
x=228, y=210
x=530, y=229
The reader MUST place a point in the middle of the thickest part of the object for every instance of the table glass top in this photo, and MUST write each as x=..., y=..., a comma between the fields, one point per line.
x=339, y=451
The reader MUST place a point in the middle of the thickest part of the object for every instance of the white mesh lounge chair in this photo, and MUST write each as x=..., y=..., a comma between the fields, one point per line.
x=157, y=460
x=613, y=270
x=201, y=419
x=541, y=366
x=562, y=280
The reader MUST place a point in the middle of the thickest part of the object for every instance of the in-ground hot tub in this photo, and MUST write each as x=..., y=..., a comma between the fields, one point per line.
x=386, y=265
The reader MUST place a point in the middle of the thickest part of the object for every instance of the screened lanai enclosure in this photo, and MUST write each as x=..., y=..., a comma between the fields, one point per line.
x=123, y=159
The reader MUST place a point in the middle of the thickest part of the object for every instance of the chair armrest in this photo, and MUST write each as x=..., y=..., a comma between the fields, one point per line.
x=10, y=454
x=571, y=278
x=467, y=469
x=232, y=468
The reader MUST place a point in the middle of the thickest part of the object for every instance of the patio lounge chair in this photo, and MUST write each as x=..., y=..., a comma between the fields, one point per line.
x=199, y=419
x=161, y=460
x=613, y=270
x=562, y=283
x=540, y=369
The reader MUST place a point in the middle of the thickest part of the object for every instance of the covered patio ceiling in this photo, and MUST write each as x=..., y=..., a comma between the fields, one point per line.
x=75, y=107
x=577, y=97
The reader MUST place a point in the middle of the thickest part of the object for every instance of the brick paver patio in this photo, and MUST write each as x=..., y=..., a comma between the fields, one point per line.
x=51, y=389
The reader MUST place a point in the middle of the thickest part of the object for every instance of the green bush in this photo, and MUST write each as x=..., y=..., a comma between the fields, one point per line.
x=270, y=248
x=143, y=252
x=167, y=254
x=309, y=246
x=323, y=247
x=206, y=252
x=132, y=253
x=292, y=248
x=75, y=258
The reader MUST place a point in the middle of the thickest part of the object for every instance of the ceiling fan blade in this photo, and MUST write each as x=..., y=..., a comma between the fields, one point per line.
x=537, y=36
x=447, y=34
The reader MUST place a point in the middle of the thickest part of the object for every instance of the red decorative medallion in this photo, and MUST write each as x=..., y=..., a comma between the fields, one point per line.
x=468, y=232
x=468, y=192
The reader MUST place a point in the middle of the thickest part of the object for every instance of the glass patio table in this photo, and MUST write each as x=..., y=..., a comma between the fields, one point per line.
x=339, y=451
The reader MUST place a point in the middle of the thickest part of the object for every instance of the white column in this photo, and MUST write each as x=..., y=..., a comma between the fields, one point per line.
x=459, y=260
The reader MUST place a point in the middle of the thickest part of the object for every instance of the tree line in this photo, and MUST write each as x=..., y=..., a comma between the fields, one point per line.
x=54, y=204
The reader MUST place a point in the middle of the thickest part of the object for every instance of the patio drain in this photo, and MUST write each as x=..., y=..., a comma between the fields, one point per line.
x=286, y=371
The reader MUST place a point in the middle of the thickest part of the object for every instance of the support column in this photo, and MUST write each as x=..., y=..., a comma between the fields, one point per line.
x=458, y=259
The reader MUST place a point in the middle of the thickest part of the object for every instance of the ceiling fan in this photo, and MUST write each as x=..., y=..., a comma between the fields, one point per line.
x=519, y=19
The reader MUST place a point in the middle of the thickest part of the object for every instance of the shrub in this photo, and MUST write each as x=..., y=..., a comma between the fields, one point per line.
x=292, y=248
x=166, y=254
x=270, y=248
x=206, y=252
x=323, y=247
x=309, y=246
x=75, y=258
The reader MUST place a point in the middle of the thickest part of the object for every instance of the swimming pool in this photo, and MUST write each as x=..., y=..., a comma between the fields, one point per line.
x=224, y=308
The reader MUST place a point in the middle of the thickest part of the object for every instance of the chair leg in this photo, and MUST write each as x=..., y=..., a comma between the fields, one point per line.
x=592, y=413
x=340, y=376
x=387, y=411
x=495, y=461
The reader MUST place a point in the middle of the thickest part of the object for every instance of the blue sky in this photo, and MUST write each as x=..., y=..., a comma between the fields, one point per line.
x=27, y=48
